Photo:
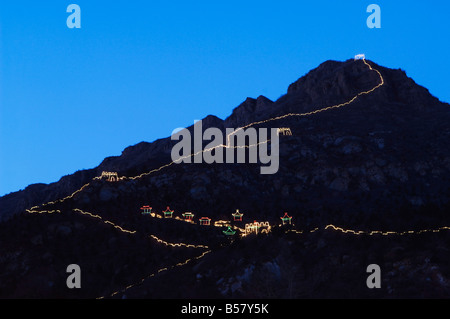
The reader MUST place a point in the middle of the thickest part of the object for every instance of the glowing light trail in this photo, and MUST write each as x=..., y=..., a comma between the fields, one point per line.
x=384, y=233
x=370, y=232
x=44, y=211
x=232, y=133
x=177, y=244
x=157, y=272
x=105, y=221
x=315, y=111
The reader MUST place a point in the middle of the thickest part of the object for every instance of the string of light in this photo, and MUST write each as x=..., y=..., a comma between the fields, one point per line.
x=159, y=240
x=385, y=233
x=35, y=209
x=105, y=221
x=158, y=272
x=370, y=232
x=229, y=137
x=177, y=244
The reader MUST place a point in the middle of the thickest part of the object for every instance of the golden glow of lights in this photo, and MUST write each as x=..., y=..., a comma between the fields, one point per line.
x=110, y=176
x=371, y=232
x=228, y=145
x=34, y=208
x=177, y=244
x=159, y=240
x=256, y=226
x=336, y=106
x=242, y=230
x=105, y=221
x=328, y=227
x=385, y=233
x=43, y=211
x=157, y=272
x=222, y=223
x=284, y=131
x=249, y=228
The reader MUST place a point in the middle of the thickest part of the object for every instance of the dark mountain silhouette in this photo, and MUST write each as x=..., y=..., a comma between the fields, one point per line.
x=379, y=142
x=380, y=162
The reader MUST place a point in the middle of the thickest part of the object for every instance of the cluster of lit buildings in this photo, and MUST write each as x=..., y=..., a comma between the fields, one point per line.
x=254, y=227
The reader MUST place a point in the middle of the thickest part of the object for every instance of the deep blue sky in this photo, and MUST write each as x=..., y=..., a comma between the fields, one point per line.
x=136, y=70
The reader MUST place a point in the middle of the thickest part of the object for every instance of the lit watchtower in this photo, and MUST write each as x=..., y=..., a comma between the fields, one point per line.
x=146, y=209
x=229, y=231
x=188, y=216
x=237, y=217
x=286, y=219
x=284, y=131
x=168, y=213
x=110, y=176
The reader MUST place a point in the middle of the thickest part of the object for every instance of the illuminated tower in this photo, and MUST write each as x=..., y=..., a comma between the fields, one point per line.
x=286, y=219
x=237, y=217
x=168, y=213
x=229, y=231
x=188, y=216
x=110, y=176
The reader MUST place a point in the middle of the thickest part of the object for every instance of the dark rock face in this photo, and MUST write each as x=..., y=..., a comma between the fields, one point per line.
x=381, y=162
x=36, y=194
x=247, y=110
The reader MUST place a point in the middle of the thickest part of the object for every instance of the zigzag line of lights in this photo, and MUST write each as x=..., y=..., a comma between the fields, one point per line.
x=253, y=227
x=157, y=272
x=301, y=231
x=385, y=233
x=232, y=133
x=33, y=209
x=44, y=211
x=181, y=158
x=316, y=111
x=188, y=218
x=105, y=221
x=218, y=223
x=159, y=240
x=61, y=200
x=371, y=232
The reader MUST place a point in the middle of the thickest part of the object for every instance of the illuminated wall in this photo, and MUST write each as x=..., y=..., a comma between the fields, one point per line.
x=110, y=176
x=284, y=131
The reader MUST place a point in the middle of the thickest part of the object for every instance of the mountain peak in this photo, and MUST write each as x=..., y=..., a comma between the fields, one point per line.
x=330, y=83
x=333, y=80
x=248, y=109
